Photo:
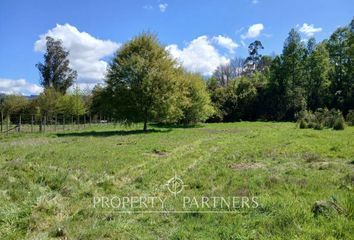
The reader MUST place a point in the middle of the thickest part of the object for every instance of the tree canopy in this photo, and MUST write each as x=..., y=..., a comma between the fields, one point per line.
x=55, y=71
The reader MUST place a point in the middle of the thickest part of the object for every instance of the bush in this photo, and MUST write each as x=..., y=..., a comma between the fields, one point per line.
x=330, y=117
x=350, y=118
x=339, y=124
x=318, y=126
x=311, y=125
x=303, y=124
x=307, y=116
x=322, y=118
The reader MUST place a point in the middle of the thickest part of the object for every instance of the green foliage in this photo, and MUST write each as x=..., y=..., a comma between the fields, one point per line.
x=321, y=118
x=340, y=46
x=312, y=77
x=71, y=104
x=196, y=106
x=350, y=117
x=303, y=124
x=14, y=104
x=143, y=83
x=339, y=124
x=100, y=103
x=55, y=71
x=318, y=126
x=47, y=101
x=317, y=67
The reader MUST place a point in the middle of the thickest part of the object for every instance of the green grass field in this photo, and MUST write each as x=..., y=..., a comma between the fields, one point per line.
x=48, y=182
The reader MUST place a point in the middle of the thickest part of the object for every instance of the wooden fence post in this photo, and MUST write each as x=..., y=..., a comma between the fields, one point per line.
x=32, y=123
x=45, y=122
x=2, y=119
x=40, y=123
x=7, y=123
x=55, y=123
x=19, y=123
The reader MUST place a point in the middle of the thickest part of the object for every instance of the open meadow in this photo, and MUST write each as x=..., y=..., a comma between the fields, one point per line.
x=302, y=180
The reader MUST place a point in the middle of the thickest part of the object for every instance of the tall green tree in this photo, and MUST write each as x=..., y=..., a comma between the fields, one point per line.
x=317, y=81
x=55, y=71
x=99, y=103
x=340, y=46
x=142, y=82
x=252, y=61
x=292, y=72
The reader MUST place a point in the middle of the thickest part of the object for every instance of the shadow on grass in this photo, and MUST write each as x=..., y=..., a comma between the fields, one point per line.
x=111, y=133
x=171, y=126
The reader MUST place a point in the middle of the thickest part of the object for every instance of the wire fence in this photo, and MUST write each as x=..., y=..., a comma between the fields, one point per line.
x=31, y=123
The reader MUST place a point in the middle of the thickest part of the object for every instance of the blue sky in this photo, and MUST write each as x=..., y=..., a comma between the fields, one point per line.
x=200, y=34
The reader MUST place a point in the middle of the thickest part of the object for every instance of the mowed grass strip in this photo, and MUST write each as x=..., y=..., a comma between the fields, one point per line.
x=48, y=181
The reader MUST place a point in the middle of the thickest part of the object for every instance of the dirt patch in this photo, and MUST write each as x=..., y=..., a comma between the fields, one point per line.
x=240, y=166
x=157, y=153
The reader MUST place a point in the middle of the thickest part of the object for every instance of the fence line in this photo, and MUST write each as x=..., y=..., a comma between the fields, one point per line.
x=30, y=123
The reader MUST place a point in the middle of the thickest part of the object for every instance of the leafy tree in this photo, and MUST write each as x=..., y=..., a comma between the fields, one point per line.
x=47, y=102
x=277, y=91
x=14, y=104
x=340, y=51
x=252, y=61
x=264, y=64
x=100, y=103
x=218, y=97
x=196, y=106
x=142, y=82
x=71, y=104
x=317, y=70
x=55, y=71
x=287, y=79
x=311, y=45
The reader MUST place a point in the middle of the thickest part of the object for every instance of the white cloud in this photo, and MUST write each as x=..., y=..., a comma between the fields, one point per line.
x=20, y=86
x=198, y=56
x=163, y=7
x=148, y=7
x=253, y=31
x=86, y=51
x=226, y=42
x=309, y=30
x=255, y=1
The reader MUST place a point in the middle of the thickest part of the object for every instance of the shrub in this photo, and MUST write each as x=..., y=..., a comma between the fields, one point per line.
x=350, y=118
x=307, y=116
x=318, y=126
x=339, y=124
x=330, y=117
x=311, y=125
x=303, y=124
x=322, y=118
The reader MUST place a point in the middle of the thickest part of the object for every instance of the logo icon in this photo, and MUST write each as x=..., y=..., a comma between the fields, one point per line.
x=175, y=185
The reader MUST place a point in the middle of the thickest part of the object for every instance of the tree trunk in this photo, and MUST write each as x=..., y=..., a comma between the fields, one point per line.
x=145, y=125
x=145, y=120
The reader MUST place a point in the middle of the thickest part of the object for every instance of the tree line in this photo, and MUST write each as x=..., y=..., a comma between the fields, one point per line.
x=305, y=76
x=145, y=84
